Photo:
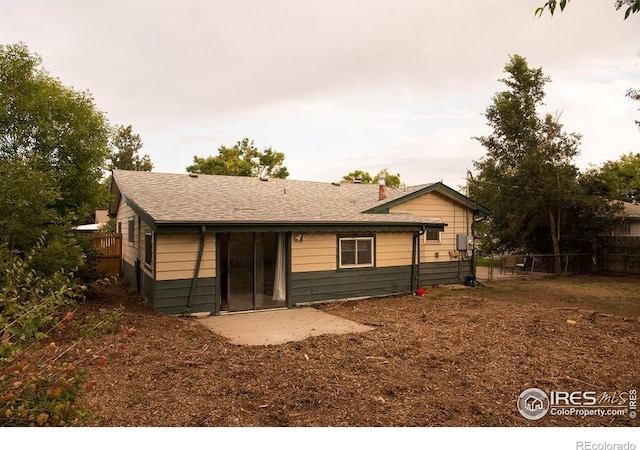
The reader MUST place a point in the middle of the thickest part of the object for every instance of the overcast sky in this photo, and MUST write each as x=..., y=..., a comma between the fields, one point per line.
x=336, y=85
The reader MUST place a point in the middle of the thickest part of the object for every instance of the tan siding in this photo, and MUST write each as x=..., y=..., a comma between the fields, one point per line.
x=177, y=255
x=436, y=206
x=394, y=249
x=318, y=251
x=129, y=249
x=132, y=251
x=315, y=253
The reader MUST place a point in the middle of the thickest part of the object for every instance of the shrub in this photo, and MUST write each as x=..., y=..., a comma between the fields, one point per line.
x=37, y=387
x=30, y=303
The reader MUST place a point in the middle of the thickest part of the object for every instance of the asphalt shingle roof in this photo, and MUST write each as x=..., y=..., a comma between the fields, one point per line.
x=631, y=209
x=181, y=198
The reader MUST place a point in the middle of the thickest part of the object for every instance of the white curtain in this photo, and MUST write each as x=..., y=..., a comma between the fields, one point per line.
x=279, y=285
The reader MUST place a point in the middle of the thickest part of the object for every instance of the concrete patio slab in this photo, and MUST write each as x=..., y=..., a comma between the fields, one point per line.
x=279, y=326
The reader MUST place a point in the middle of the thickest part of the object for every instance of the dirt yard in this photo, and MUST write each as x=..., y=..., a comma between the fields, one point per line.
x=456, y=357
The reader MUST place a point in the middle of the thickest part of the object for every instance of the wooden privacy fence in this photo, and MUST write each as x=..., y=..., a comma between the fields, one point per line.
x=109, y=245
x=618, y=255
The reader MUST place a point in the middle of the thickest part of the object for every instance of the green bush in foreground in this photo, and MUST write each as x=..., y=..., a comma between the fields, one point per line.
x=30, y=303
x=38, y=386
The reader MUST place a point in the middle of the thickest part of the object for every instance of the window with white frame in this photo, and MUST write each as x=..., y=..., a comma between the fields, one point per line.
x=432, y=236
x=356, y=252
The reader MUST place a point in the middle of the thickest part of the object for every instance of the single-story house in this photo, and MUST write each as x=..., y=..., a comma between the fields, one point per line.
x=208, y=243
x=627, y=221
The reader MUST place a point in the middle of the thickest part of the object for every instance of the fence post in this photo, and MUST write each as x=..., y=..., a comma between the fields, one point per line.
x=490, y=271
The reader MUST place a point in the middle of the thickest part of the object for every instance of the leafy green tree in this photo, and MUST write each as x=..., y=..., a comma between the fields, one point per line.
x=53, y=129
x=358, y=175
x=616, y=180
x=53, y=149
x=27, y=199
x=243, y=159
x=633, y=6
x=527, y=177
x=391, y=180
x=125, y=156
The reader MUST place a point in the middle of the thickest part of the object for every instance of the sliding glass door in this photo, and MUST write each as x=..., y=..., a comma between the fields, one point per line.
x=255, y=271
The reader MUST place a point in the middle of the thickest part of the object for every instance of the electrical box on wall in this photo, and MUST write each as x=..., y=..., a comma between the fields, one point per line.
x=462, y=242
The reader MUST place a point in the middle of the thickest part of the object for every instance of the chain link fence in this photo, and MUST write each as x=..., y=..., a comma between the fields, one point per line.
x=507, y=266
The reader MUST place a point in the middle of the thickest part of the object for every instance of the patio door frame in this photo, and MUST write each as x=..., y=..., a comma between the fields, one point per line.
x=223, y=276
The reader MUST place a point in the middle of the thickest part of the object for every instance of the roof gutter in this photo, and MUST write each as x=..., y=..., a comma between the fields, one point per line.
x=223, y=227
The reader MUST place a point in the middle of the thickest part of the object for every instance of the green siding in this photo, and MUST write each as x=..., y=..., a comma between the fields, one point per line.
x=332, y=284
x=129, y=272
x=172, y=296
x=449, y=272
x=147, y=287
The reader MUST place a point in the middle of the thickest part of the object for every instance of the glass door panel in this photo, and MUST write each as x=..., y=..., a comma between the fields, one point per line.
x=240, y=273
x=256, y=271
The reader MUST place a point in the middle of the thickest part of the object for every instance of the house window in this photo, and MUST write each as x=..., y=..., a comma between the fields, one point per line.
x=356, y=252
x=119, y=229
x=432, y=236
x=148, y=249
x=131, y=230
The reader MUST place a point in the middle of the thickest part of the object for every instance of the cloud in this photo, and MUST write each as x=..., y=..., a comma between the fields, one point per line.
x=336, y=85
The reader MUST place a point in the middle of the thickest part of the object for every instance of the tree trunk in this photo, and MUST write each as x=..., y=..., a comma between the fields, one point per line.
x=556, y=246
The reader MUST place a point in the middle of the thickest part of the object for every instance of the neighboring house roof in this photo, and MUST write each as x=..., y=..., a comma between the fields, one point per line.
x=630, y=210
x=183, y=199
